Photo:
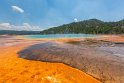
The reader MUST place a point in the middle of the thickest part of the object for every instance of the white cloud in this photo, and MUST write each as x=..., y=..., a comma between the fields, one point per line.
x=24, y=26
x=17, y=9
x=5, y=25
x=76, y=20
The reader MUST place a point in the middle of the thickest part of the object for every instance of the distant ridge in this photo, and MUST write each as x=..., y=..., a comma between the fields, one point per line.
x=91, y=26
x=13, y=32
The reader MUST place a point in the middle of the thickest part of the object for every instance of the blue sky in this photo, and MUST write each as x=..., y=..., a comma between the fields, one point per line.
x=48, y=13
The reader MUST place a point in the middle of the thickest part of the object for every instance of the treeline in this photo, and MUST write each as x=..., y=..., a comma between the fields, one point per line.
x=12, y=32
x=92, y=26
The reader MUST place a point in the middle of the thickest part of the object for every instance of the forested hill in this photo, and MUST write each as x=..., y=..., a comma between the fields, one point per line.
x=92, y=26
x=12, y=32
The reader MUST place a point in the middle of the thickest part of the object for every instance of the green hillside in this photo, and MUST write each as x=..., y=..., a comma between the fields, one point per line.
x=92, y=26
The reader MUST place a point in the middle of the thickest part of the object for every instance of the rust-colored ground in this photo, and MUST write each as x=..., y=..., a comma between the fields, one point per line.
x=113, y=38
x=17, y=70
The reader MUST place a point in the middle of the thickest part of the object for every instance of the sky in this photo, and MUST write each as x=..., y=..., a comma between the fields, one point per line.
x=43, y=14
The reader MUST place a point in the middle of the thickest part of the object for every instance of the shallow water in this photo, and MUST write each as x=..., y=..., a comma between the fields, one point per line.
x=61, y=36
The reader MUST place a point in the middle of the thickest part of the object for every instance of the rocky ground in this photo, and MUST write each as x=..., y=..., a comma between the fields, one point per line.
x=17, y=70
x=101, y=59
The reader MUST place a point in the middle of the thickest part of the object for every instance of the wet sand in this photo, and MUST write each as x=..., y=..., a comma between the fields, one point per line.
x=17, y=70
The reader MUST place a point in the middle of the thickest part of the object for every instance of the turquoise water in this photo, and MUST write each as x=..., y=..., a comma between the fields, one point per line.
x=61, y=36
